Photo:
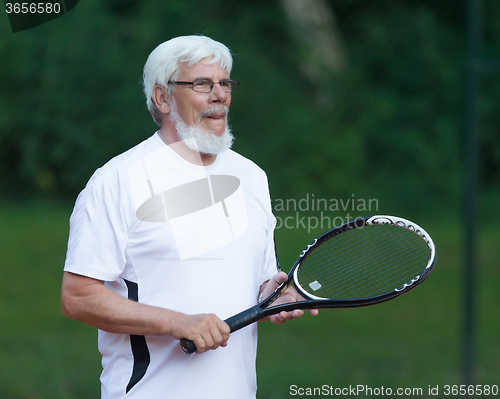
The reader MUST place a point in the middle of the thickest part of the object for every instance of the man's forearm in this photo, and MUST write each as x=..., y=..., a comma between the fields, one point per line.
x=90, y=301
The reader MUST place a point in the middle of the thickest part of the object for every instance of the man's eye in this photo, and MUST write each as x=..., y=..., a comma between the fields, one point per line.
x=202, y=83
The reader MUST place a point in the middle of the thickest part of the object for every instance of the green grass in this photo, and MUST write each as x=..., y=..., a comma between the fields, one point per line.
x=414, y=341
x=42, y=354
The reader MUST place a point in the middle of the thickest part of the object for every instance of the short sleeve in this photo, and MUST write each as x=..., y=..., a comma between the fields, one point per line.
x=99, y=228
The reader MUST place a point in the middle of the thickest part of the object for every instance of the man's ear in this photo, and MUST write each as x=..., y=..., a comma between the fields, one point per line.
x=160, y=99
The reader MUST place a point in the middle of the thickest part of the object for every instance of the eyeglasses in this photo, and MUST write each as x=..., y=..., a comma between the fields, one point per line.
x=206, y=85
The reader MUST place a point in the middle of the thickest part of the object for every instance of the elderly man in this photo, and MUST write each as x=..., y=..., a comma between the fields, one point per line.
x=173, y=236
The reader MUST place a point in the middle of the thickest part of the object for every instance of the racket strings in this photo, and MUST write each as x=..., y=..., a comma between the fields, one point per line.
x=391, y=279
x=376, y=273
x=384, y=277
x=364, y=262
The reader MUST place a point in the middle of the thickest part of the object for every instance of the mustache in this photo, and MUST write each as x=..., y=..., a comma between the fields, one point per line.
x=216, y=110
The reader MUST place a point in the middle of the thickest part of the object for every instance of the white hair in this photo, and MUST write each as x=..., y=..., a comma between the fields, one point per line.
x=164, y=61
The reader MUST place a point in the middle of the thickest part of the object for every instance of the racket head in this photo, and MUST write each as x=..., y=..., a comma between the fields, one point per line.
x=363, y=262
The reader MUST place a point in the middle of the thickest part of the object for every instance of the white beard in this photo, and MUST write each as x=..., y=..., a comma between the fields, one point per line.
x=205, y=142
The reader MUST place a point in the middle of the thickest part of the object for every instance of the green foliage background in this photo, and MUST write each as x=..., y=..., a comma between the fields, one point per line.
x=389, y=124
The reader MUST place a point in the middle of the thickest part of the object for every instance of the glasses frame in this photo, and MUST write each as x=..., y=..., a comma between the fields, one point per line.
x=234, y=84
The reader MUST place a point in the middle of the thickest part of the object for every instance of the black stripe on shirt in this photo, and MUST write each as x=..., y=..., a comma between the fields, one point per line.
x=138, y=344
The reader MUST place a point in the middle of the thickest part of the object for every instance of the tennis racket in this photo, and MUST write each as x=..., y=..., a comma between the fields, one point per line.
x=362, y=262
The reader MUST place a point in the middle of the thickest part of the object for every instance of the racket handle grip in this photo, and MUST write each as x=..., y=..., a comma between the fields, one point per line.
x=245, y=318
x=236, y=322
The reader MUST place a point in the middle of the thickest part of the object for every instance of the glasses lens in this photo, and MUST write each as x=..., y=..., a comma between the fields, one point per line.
x=202, y=85
x=229, y=85
x=206, y=85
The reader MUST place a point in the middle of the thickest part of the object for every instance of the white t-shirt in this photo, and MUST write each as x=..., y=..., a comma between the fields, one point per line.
x=167, y=233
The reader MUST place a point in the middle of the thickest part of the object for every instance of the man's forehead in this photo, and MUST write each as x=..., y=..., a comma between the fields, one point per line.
x=204, y=68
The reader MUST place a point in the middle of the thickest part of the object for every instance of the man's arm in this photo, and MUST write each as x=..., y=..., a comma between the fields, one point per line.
x=88, y=300
x=290, y=294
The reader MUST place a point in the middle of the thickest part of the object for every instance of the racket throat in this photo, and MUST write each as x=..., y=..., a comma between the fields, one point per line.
x=275, y=295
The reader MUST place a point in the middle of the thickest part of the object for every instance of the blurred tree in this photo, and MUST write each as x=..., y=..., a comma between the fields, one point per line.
x=313, y=25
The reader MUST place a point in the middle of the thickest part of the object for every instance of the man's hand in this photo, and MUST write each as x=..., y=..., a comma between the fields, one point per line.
x=206, y=331
x=290, y=294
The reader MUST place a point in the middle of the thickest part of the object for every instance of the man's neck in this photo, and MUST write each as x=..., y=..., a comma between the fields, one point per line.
x=169, y=137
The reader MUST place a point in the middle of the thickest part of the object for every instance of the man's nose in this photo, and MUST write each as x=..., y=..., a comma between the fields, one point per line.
x=218, y=94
